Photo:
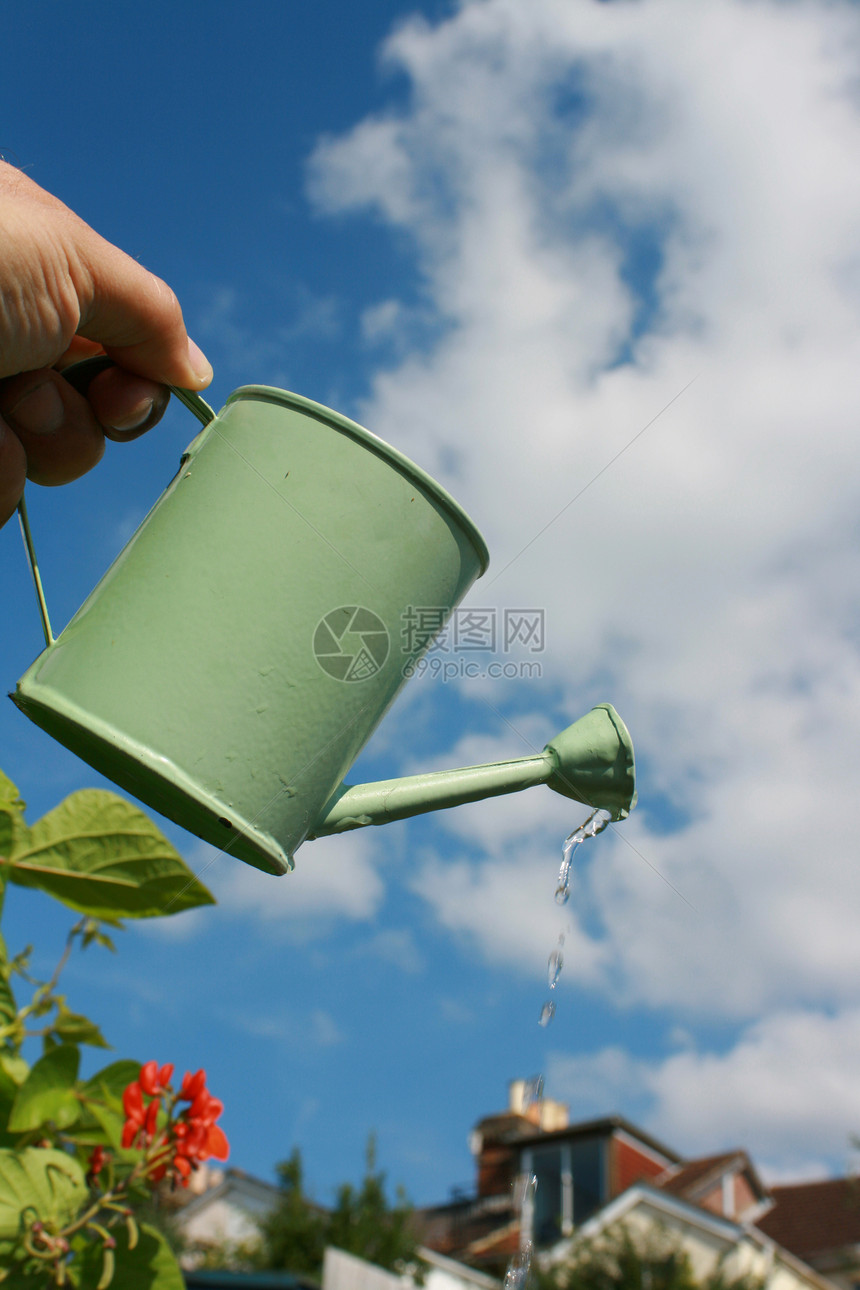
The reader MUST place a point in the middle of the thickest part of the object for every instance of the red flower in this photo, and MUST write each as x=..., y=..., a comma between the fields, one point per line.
x=193, y=1135
x=132, y=1104
x=151, y=1122
x=192, y=1085
x=153, y=1080
x=96, y=1162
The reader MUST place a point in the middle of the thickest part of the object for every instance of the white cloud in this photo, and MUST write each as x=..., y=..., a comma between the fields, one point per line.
x=787, y=1091
x=505, y=908
x=177, y=927
x=380, y=320
x=706, y=582
x=333, y=878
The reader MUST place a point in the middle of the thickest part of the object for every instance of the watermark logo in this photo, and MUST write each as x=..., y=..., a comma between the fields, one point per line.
x=351, y=643
x=471, y=629
x=452, y=640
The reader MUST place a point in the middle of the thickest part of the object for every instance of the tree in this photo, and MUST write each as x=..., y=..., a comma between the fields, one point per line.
x=363, y=1222
x=293, y=1234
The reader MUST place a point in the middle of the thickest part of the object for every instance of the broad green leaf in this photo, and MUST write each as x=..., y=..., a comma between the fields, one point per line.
x=41, y=1179
x=111, y=1081
x=15, y=1067
x=8, y=1006
x=103, y=1098
x=47, y=1094
x=13, y=1072
x=13, y=829
x=11, y=804
x=74, y=1028
x=151, y=1265
x=103, y=857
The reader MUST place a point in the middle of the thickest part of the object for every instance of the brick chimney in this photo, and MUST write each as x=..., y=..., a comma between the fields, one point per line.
x=494, y=1140
x=544, y=1114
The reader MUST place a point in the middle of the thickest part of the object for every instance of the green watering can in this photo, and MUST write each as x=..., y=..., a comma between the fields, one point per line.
x=236, y=657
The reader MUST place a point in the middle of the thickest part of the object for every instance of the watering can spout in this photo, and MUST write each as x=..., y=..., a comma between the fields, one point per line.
x=590, y=762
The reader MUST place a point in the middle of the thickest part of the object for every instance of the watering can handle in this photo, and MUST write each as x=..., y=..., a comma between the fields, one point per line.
x=79, y=376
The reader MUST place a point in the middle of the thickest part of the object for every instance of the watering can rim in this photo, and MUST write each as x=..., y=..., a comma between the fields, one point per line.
x=286, y=398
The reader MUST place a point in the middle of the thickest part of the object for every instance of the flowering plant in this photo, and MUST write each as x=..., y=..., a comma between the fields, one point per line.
x=173, y=1144
x=78, y=1157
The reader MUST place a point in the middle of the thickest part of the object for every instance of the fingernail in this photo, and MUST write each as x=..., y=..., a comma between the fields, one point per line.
x=200, y=363
x=40, y=411
x=137, y=419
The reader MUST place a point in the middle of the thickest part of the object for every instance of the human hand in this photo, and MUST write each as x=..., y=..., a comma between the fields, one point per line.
x=66, y=294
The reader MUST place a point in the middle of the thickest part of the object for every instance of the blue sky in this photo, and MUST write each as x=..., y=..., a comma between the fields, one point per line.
x=508, y=238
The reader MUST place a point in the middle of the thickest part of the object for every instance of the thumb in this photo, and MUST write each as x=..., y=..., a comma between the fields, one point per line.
x=135, y=316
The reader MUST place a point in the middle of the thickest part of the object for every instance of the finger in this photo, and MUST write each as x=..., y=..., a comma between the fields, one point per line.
x=79, y=349
x=56, y=427
x=126, y=405
x=136, y=317
x=118, y=305
x=13, y=471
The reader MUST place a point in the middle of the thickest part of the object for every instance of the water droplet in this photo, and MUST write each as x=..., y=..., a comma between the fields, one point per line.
x=555, y=963
x=596, y=823
x=562, y=891
x=532, y=1091
x=547, y=1013
x=519, y=1267
x=525, y=1187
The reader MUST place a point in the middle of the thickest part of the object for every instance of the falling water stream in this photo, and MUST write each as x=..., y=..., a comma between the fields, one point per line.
x=519, y=1266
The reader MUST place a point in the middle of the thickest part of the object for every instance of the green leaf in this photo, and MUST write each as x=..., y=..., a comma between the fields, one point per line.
x=8, y=1006
x=102, y=1097
x=110, y=1083
x=103, y=857
x=73, y=1028
x=15, y=1067
x=9, y=795
x=13, y=829
x=41, y=1179
x=151, y=1265
x=93, y=932
x=12, y=825
x=47, y=1094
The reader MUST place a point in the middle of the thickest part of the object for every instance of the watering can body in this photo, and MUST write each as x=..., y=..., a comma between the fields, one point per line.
x=235, y=658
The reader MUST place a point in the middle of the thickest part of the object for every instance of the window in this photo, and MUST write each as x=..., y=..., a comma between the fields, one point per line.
x=551, y=1209
x=570, y=1187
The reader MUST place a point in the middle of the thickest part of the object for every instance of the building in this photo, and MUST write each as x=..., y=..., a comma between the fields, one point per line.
x=594, y=1174
x=579, y=1168
x=820, y=1223
x=221, y=1208
x=591, y=1176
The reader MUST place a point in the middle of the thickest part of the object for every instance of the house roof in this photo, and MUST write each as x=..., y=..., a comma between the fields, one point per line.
x=605, y=1126
x=460, y=1270
x=239, y=1186
x=814, y=1218
x=464, y=1224
x=692, y=1178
